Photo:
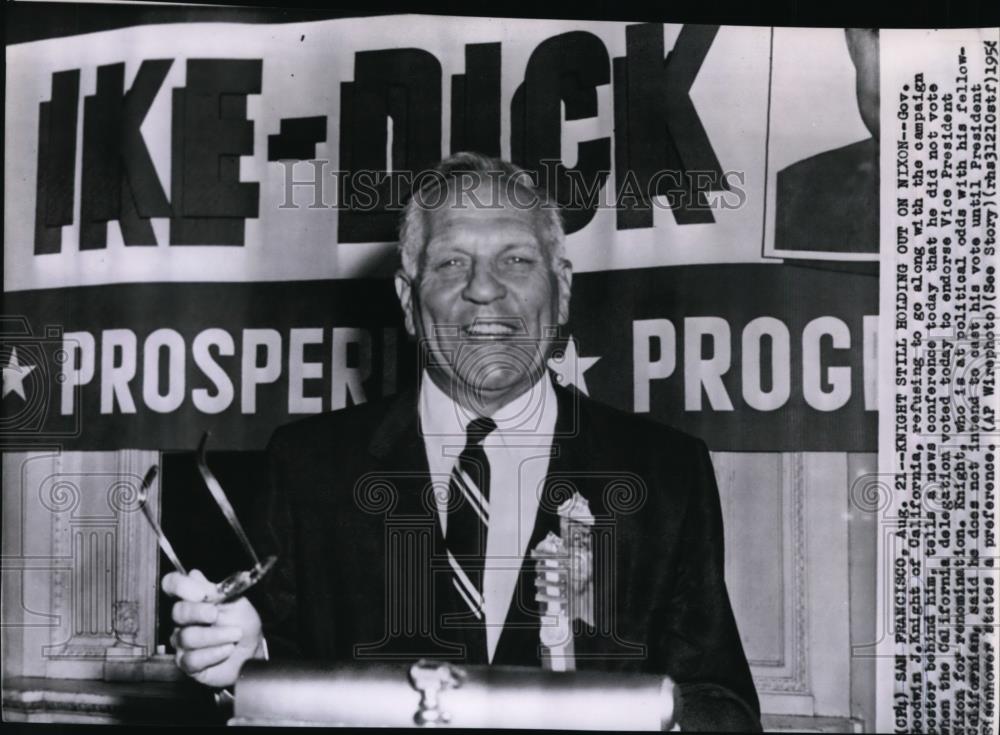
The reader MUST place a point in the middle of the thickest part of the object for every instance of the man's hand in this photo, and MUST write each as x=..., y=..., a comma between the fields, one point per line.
x=212, y=640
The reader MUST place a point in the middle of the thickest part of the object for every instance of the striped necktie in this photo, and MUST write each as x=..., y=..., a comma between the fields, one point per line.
x=468, y=523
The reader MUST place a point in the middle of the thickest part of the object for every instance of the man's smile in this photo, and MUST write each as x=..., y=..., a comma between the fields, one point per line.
x=494, y=328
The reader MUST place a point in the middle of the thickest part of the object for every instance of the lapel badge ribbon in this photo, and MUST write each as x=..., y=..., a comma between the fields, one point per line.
x=564, y=582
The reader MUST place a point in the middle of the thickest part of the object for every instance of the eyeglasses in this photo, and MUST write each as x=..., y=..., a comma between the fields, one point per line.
x=235, y=584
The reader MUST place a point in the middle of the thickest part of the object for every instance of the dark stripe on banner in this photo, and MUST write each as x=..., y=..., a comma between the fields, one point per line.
x=749, y=357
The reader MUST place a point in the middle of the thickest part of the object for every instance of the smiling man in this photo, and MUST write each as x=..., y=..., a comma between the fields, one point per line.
x=486, y=291
x=404, y=528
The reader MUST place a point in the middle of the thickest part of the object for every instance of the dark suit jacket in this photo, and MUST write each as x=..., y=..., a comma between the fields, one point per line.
x=362, y=573
x=829, y=201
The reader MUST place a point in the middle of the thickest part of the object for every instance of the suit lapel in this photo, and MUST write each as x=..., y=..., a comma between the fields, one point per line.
x=398, y=452
x=567, y=473
x=425, y=594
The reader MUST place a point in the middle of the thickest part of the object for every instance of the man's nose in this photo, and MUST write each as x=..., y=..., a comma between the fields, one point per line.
x=483, y=287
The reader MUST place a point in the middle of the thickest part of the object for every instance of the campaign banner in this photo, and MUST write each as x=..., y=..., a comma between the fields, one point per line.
x=203, y=237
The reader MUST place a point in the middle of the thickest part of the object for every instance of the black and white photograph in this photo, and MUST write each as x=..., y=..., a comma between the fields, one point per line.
x=408, y=368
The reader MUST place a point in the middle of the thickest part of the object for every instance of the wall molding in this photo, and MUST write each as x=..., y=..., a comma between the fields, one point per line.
x=787, y=571
x=102, y=595
x=794, y=675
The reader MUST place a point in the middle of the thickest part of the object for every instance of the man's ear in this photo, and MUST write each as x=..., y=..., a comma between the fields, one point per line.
x=564, y=277
x=404, y=291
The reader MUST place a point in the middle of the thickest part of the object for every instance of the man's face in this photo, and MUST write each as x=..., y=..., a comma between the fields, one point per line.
x=862, y=45
x=487, y=301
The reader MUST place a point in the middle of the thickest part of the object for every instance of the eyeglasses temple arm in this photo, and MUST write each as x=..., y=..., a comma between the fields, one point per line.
x=222, y=501
x=168, y=549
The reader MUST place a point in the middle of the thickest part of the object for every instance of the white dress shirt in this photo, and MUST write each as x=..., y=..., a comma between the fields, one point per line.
x=518, y=451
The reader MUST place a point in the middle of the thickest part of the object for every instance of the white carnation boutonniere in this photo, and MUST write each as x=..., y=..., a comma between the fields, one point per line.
x=564, y=582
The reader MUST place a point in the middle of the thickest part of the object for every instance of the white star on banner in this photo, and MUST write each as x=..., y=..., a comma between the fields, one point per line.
x=569, y=366
x=14, y=375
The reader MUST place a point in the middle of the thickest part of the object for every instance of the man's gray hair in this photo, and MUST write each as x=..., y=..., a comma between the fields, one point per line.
x=434, y=188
